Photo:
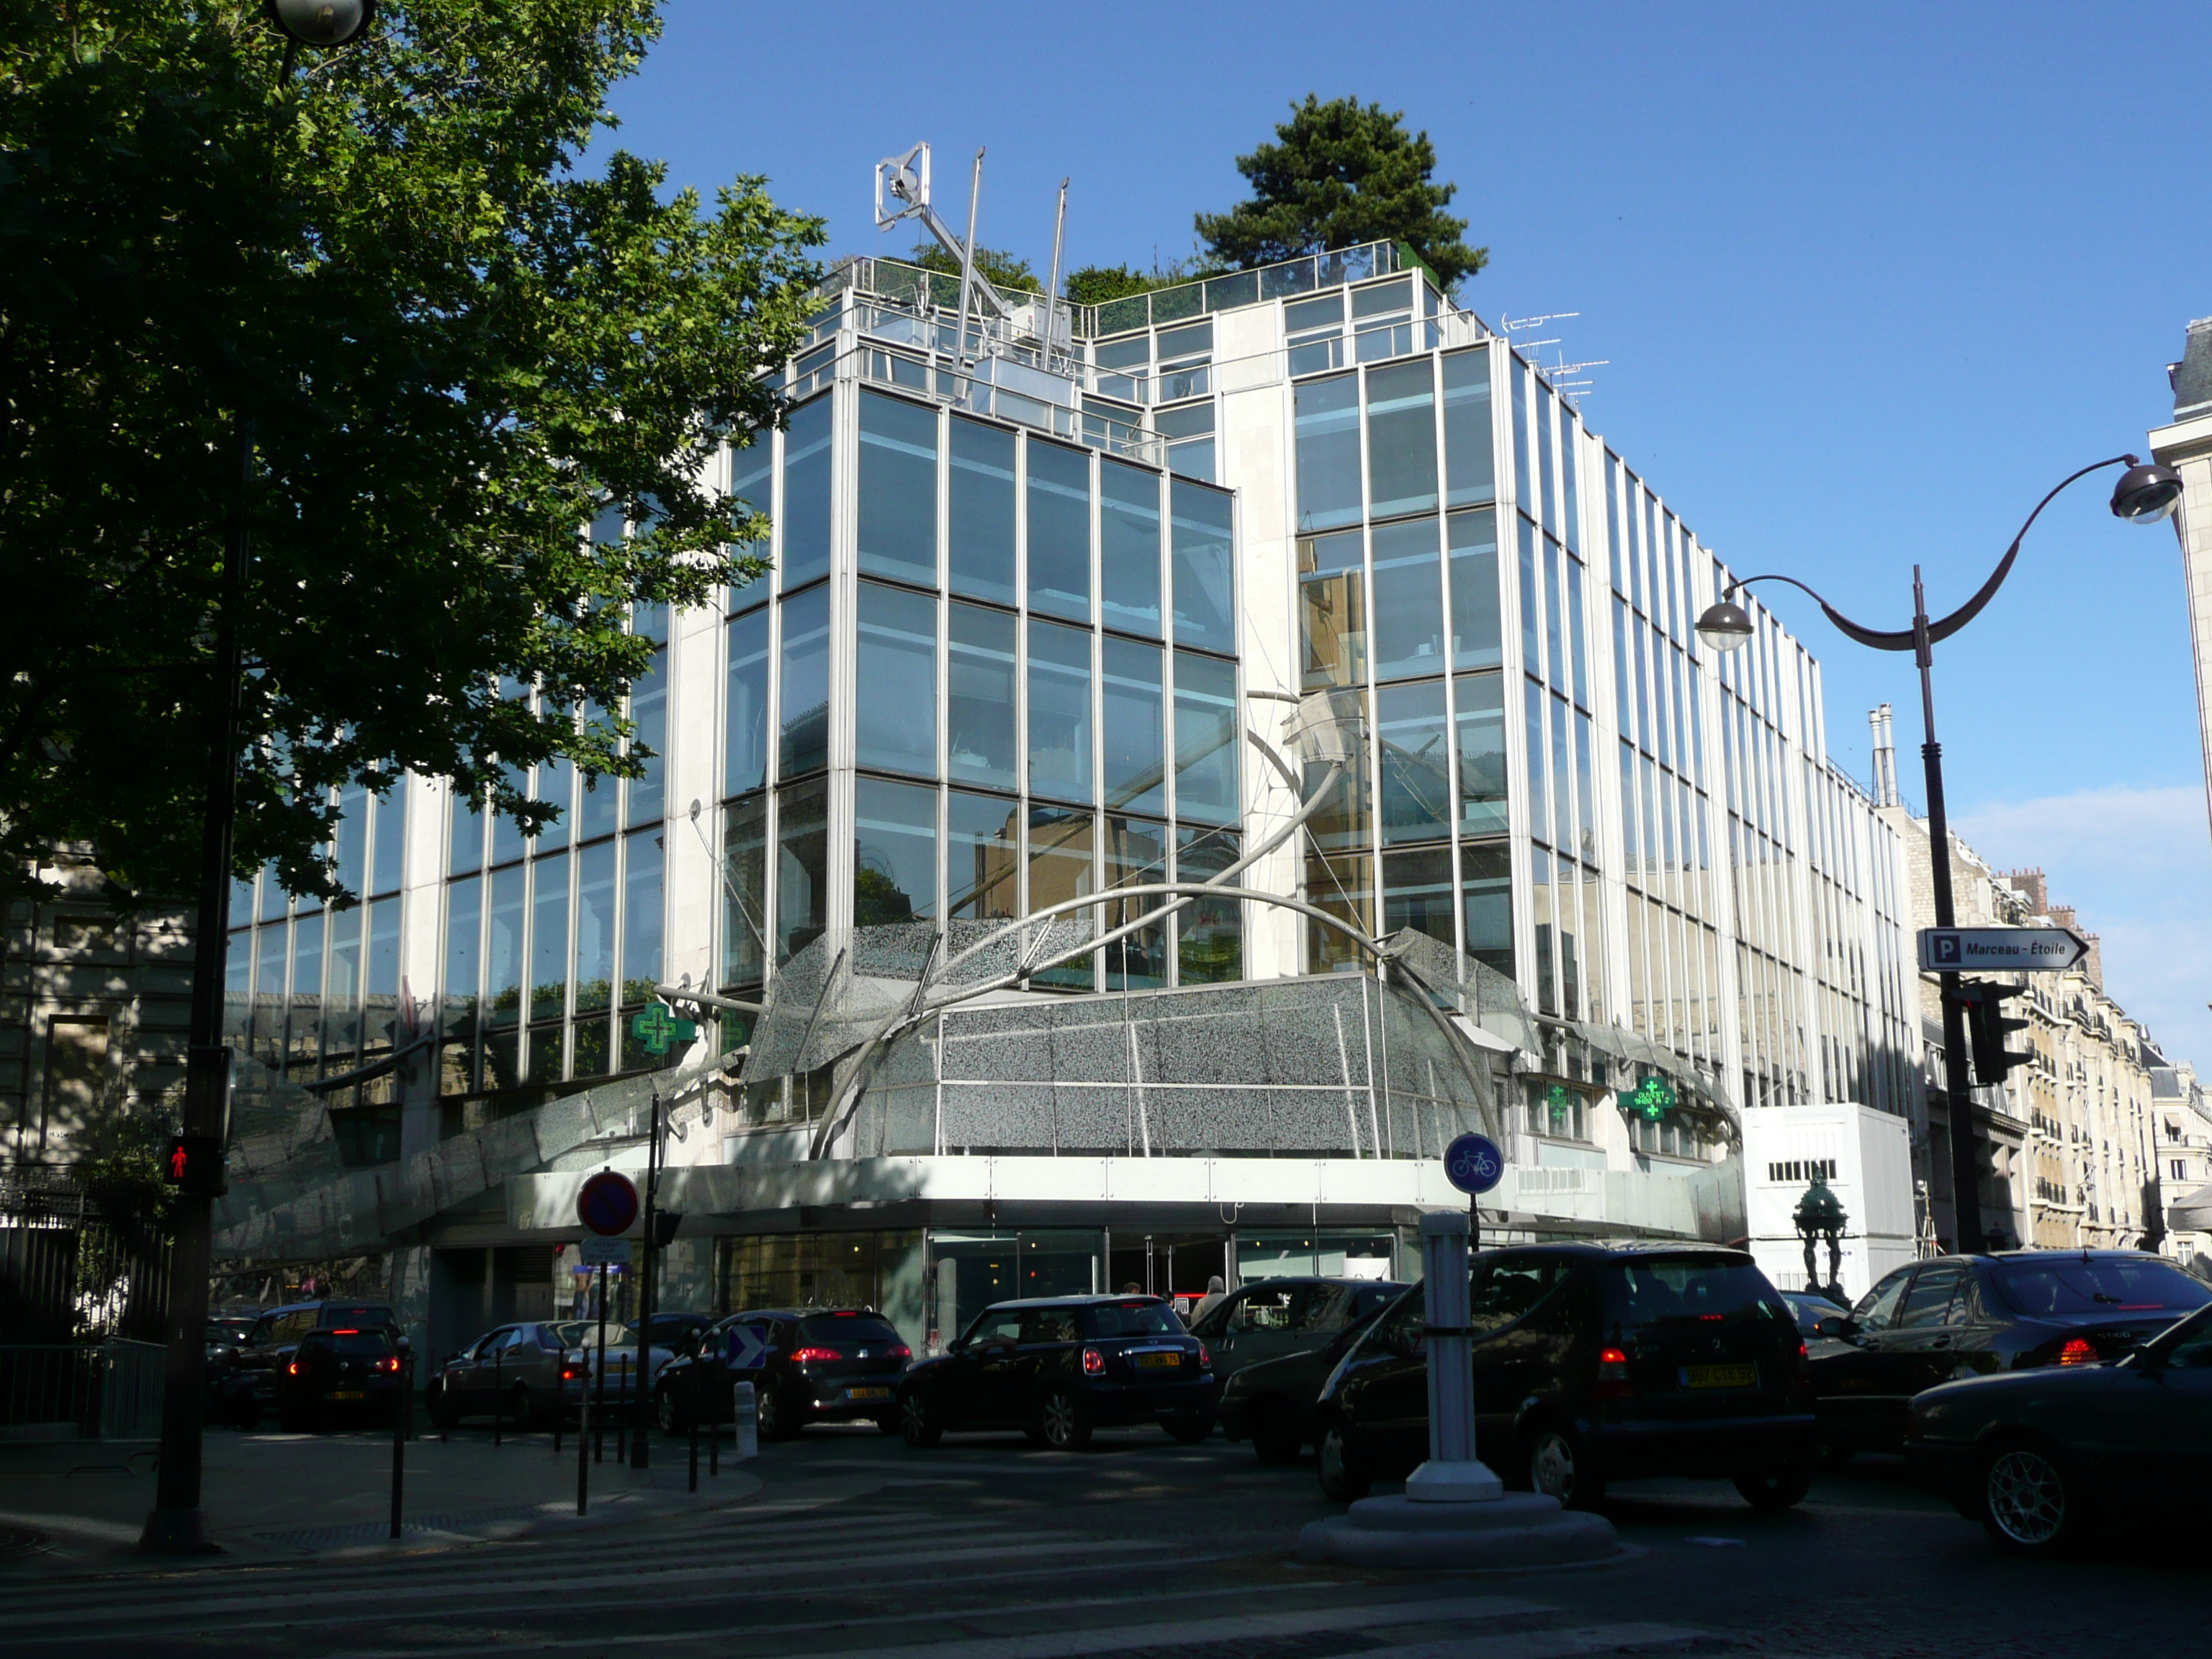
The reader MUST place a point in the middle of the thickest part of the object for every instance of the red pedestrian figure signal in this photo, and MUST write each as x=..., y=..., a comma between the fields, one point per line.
x=178, y=1159
x=195, y=1164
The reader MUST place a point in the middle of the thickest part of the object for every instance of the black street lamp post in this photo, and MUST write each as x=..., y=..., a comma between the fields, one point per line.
x=178, y=1525
x=2144, y=494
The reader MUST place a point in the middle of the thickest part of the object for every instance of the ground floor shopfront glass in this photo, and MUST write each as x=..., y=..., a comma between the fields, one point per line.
x=1355, y=1253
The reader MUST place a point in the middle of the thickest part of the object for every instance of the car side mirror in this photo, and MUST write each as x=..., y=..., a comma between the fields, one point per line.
x=1837, y=1325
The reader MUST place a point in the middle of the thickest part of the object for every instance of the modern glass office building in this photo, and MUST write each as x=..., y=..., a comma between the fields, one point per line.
x=1059, y=605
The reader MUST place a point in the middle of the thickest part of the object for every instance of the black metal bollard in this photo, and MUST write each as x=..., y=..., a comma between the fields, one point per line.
x=714, y=1453
x=403, y=1415
x=622, y=1417
x=695, y=1451
x=584, y=1455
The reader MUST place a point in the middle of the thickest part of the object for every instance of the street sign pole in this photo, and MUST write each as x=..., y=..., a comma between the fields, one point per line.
x=599, y=1376
x=640, y=1455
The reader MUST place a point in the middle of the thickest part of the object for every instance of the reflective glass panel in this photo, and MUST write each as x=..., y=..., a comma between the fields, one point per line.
x=894, y=851
x=1415, y=753
x=1130, y=547
x=802, y=885
x=1333, y=610
x=648, y=707
x=389, y=853
x=805, y=695
x=1479, y=716
x=897, y=528
x=1329, y=452
x=1417, y=893
x=980, y=704
x=464, y=954
x=1134, y=714
x=744, y=765
x=549, y=937
x=1060, y=531
x=1470, y=466
x=641, y=918
x=1060, y=869
x=895, y=713
x=1486, y=884
x=805, y=525
x=1205, y=571
x=1409, y=599
x=503, y=948
x=744, y=892
x=1343, y=886
x=1136, y=854
x=1060, y=711
x=1210, y=933
x=1401, y=440
x=595, y=926
x=982, y=871
x=982, y=512
x=1205, y=739
x=1472, y=546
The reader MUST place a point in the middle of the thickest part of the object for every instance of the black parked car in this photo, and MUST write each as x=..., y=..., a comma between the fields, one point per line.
x=1958, y=1316
x=1271, y=1317
x=824, y=1365
x=2040, y=1457
x=1058, y=1368
x=247, y=1385
x=1591, y=1364
x=1273, y=1402
x=341, y=1375
x=1810, y=1308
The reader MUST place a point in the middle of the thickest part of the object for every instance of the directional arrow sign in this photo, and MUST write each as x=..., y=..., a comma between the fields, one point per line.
x=2000, y=950
x=746, y=1353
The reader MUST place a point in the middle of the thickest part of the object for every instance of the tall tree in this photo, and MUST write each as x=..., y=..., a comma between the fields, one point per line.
x=446, y=348
x=1343, y=173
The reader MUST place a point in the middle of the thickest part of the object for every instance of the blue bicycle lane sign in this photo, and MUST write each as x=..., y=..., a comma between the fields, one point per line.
x=1473, y=1164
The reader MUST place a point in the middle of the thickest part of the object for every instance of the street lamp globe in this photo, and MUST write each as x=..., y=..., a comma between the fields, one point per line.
x=2146, y=493
x=321, y=23
x=1724, y=626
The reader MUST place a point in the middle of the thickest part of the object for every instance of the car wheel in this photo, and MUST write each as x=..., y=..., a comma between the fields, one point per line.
x=1275, y=1436
x=1063, y=1420
x=918, y=1425
x=1345, y=1475
x=1559, y=1467
x=773, y=1416
x=666, y=1413
x=1188, y=1431
x=1772, y=1491
x=2031, y=1503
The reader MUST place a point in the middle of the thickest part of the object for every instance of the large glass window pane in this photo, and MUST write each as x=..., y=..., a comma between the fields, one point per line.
x=744, y=892
x=894, y=852
x=802, y=875
x=507, y=842
x=1470, y=463
x=1134, y=713
x=388, y=855
x=982, y=866
x=1209, y=932
x=1060, y=869
x=1563, y=799
x=1532, y=633
x=269, y=949
x=1409, y=599
x=1416, y=761
x=804, y=732
x=464, y=954
x=648, y=707
x=503, y=950
x=1060, y=711
x=465, y=849
x=351, y=842
x=1333, y=610
x=982, y=512
x=641, y=918
x=1417, y=893
x=1401, y=440
x=599, y=801
x=1479, y=716
x=307, y=989
x=895, y=713
x=342, y=985
x=1539, y=805
x=897, y=528
x=749, y=470
x=1136, y=854
x=1343, y=886
x=1205, y=739
x=1486, y=885
x=1562, y=674
x=1570, y=529
x=1471, y=540
x=595, y=927
x=746, y=758
x=1550, y=514
x=380, y=974
x=1060, y=531
x=1585, y=807
x=980, y=705
x=555, y=786
x=1329, y=452
x=805, y=521
x=1205, y=569
x=1130, y=547
x=1524, y=497
x=548, y=938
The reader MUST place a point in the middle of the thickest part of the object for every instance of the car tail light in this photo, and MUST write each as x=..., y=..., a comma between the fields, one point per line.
x=1205, y=1358
x=899, y=1351
x=293, y=1369
x=801, y=1356
x=1613, y=1382
x=388, y=1364
x=571, y=1373
x=1093, y=1362
x=349, y=1332
x=2078, y=1351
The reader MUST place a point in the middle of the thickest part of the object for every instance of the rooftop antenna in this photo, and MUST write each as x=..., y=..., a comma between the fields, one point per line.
x=1052, y=287
x=903, y=192
x=967, y=260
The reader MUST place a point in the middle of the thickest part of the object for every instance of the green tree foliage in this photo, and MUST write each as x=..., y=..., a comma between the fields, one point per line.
x=454, y=347
x=1002, y=270
x=1344, y=173
x=1093, y=285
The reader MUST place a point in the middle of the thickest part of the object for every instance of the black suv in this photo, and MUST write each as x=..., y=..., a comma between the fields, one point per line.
x=249, y=1382
x=1269, y=1318
x=1955, y=1316
x=1272, y=1402
x=342, y=1376
x=1058, y=1368
x=823, y=1366
x=1592, y=1362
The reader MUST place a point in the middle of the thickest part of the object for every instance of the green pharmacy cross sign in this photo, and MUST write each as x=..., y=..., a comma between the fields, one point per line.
x=657, y=1027
x=1651, y=1099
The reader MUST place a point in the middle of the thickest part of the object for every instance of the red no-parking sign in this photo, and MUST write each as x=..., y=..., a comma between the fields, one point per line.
x=607, y=1204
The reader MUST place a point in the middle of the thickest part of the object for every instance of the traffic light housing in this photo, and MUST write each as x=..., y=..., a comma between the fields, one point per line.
x=194, y=1164
x=665, y=1223
x=1988, y=1026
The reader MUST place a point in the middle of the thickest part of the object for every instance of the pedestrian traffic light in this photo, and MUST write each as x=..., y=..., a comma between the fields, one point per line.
x=194, y=1164
x=1988, y=1026
x=665, y=1223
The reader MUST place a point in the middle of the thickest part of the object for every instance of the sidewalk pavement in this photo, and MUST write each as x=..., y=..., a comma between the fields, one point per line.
x=271, y=1497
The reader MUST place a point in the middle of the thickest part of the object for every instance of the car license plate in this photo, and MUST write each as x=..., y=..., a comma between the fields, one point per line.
x=349, y=1393
x=1720, y=1377
x=867, y=1393
x=1149, y=1362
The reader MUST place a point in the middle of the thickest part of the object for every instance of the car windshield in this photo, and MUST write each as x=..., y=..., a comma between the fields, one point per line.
x=2093, y=1285
x=1132, y=1319
x=846, y=1328
x=1640, y=1294
x=357, y=1344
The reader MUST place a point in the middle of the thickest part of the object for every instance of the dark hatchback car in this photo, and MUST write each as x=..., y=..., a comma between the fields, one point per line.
x=249, y=1375
x=1058, y=1368
x=2041, y=1457
x=1592, y=1364
x=822, y=1365
x=347, y=1376
x=1270, y=1318
x=1273, y=1403
x=1952, y=1317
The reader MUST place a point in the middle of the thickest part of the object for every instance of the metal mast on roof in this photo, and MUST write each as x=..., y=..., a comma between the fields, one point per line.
x=904, y=180
x=1052, y=286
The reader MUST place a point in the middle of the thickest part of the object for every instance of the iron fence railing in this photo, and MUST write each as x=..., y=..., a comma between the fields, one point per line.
x=108, y=1390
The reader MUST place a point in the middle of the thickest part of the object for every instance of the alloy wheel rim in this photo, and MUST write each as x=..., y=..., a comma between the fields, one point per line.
x=764, y=1413
x=2026, y=1498
x=1332, y=1453
x=1059, y=1418
x=1552, y=1467
x=916, y=1421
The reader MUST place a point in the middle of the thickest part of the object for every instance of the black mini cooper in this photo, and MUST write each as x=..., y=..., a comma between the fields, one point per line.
x=1058, y=1368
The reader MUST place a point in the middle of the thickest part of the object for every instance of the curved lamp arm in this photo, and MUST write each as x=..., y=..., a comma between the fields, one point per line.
x=1942, y=628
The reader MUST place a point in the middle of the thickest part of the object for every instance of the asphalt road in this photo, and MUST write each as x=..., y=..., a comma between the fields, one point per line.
x=988, y=1548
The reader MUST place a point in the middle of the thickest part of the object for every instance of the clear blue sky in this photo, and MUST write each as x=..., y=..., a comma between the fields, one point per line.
x=1869, y=280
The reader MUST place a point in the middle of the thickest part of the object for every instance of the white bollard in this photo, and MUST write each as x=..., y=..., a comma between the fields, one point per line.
x=1453, y=1474
x=745, y=1412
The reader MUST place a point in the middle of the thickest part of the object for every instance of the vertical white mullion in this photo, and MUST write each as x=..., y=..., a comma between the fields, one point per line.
x=1097, y=709
x=1022, y=673
x=844, y=647
x=942, y=858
